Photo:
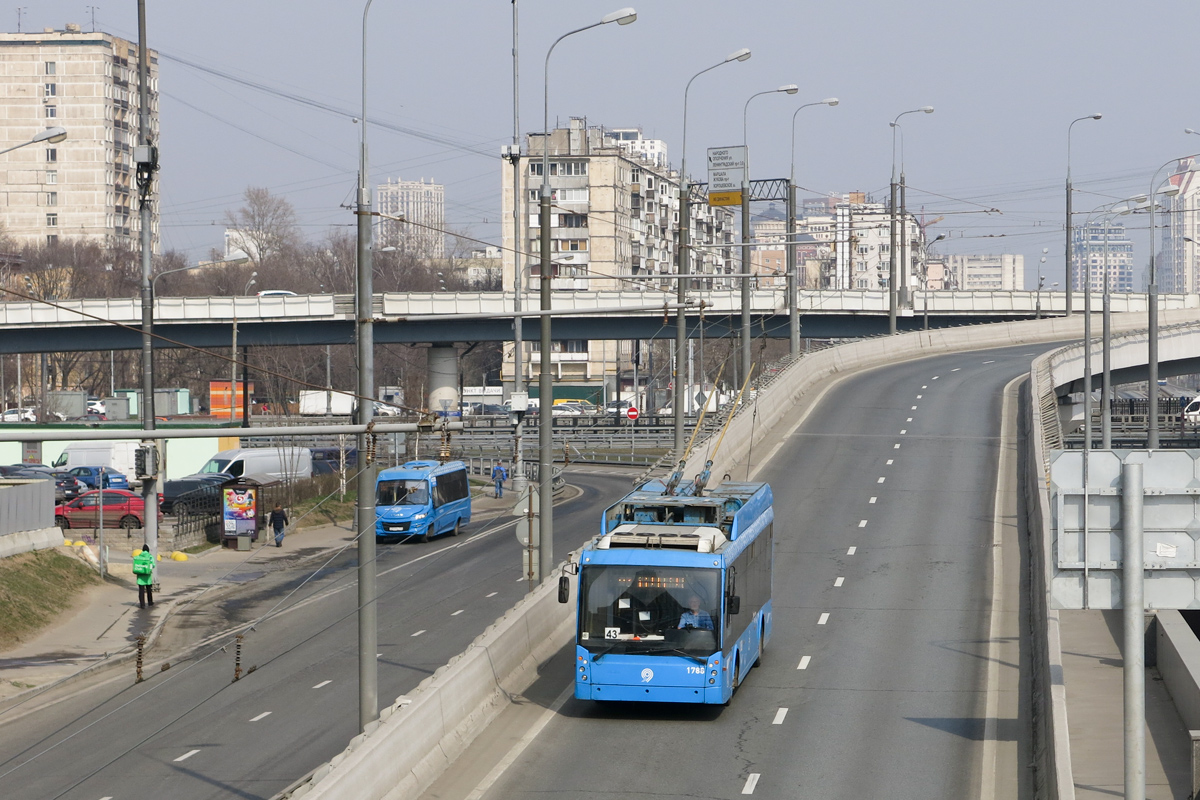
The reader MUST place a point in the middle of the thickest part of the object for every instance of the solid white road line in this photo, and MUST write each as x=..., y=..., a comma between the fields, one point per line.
x=322, y=683
x=456, y=613
x=260, y=716
x=418, y=633
x=862, y=523
x=493, y=594
x=824, y=618
x=187, y=755
x=839, y=581
x=515, y=752
x=851, y=551
x=779, y=716
x=751, y=782
x=804, y=662
x=872, y=500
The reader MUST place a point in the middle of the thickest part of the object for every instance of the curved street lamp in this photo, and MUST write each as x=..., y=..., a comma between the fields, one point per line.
x=683, y=259
x=49, y=135
x=895, y=274
x=788, y=88
x=1069, y=255
x=622, y=16
x=793, y=275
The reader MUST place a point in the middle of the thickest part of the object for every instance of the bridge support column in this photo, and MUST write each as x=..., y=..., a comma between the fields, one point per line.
x=442, y=365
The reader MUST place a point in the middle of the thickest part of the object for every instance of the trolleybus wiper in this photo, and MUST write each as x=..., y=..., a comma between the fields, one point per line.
x=676, y=650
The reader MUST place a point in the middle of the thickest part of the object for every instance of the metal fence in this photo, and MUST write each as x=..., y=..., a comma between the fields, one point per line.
x=26, y=505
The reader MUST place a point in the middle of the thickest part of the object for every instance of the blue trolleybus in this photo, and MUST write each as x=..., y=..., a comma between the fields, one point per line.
x=674, y=601
x=422, y=499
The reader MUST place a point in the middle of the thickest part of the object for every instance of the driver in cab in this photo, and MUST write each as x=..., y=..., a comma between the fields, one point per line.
x=695, y=617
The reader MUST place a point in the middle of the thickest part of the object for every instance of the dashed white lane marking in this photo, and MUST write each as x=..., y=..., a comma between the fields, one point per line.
x=862, y=523
x=322, y=683
x=779, y=716
x=379, y=655
x=824, y=618
x=493, y=594
x=751, y=782
x=107, y=797
x=872, y=500
x=881, y=479
x=260, y=716
x=909, y=419
x=903, y=431
x=896, y=446
x=920, y=396
x=956, y=369
x=522, y=578
x=989, y=362
x=914, y=408
x=852, y=550
x=890, y=461
x=187, y=755
x=935, y=377
x=926, y=386
x=456, y=613
x=804, y=662
x=418, y=633
x=840, y=580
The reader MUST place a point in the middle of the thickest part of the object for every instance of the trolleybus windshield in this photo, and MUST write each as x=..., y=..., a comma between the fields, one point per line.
x=628, y=609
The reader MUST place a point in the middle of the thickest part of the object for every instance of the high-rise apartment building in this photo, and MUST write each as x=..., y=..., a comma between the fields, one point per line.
x=85, y=186
x=1089, y=257
x=613, y=226
x=1177, y=265
x=1004, y=272
x=423, y=205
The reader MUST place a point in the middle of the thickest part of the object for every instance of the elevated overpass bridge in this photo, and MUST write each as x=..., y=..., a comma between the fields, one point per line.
x=447, y=317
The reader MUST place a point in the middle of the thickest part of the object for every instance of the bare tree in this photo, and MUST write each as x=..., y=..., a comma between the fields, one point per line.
x=265, y=226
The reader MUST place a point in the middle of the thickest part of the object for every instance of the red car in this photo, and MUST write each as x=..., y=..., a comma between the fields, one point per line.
x=122, y=509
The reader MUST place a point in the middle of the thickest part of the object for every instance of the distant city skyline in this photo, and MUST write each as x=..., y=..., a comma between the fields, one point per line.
x=265, y=95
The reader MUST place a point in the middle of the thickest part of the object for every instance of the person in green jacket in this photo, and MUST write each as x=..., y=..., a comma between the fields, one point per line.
x=143, y=568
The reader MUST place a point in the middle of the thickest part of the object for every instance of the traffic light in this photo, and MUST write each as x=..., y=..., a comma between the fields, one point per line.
x=145, y=461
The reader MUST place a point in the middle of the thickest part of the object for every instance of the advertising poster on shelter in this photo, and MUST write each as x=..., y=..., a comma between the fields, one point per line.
x=240, y=509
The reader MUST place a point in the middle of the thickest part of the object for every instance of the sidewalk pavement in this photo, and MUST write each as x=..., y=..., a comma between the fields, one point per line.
x=1092, y=674
x=106, y=620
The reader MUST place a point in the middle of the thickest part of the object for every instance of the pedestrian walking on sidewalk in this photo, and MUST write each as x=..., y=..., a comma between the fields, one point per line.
x=143, y=568
x=499, y=476
x=279, y=521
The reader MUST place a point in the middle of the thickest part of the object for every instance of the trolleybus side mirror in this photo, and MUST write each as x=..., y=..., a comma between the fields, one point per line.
x=564, y=589
x=734, y=604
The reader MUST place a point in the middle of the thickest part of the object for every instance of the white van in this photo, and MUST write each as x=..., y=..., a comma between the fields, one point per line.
x=264, y=464
x=117, y=455
x=1191, y=413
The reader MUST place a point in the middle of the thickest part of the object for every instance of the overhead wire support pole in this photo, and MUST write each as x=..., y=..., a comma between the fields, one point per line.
x=368, y=635
x=1070, y=259
x=793, y=279
x=896, y=269
x=147, y=163
x=518, y=248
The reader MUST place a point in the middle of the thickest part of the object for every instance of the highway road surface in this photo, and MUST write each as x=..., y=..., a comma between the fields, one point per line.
x=891, y=672
x=191, y=733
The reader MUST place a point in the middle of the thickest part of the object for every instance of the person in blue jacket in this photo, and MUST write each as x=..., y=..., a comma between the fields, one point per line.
x=499, y=476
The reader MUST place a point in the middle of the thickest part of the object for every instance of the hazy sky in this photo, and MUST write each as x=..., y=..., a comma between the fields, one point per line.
x=1006, y=79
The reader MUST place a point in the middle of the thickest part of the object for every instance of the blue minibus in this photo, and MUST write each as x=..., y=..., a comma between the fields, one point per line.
x=674, y=600
x=422, y=499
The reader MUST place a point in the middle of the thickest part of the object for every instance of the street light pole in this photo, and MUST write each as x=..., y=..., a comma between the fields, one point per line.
x=747, y=287
x=793, y=274
x=368, y=635
x=1069, y=254
x=684, y=257
x=894, y=267
x=518, y=249
x=545, y=389
x=233, y=357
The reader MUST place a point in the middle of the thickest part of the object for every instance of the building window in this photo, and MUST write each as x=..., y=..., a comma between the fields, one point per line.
x=569, y=245
x=575, y=345
x=572, y=168
x=51, y=239
x=51, y=176
x=52, y=154
x=51, y=90
x=572, y=220
x=51, y=112
x=52, y=220
x=51, y=198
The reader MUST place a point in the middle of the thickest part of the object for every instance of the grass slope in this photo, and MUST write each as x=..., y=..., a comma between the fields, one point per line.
x=36, y=587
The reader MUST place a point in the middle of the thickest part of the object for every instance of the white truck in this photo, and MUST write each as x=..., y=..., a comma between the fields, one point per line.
x=117, y=455
x=315, y=402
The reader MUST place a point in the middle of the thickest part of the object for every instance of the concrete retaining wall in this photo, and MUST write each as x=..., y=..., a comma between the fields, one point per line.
x=420, y=735
x=12, y=544
x=1178, y=661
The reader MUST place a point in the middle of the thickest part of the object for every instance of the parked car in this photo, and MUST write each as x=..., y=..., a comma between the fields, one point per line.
x=92, y=475
x=180, y=496
x=617, y=407
x=565, y=410
x=66, y=485
x=276, y=293
x=89, y=417
x=385, y=410
x=96, y=407
x=19, y=415
x=122, y=509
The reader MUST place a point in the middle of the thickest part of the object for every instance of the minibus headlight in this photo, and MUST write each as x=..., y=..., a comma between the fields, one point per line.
x=418, y=516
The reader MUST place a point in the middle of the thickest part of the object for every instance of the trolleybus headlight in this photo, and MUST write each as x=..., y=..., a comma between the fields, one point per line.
x=712, y=680
x=714, y=674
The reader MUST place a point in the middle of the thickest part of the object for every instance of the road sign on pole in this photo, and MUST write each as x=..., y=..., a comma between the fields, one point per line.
x=521, y=509
x=726, y=175
x=631, y=412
